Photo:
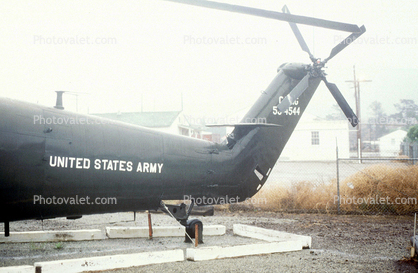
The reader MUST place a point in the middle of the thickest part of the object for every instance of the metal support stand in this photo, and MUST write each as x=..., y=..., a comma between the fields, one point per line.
x=193, y=227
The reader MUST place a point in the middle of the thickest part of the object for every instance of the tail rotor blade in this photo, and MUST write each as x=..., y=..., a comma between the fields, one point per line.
x=317, y=66
x=294, y=94
x=349, y=113
x=298, y=35
x=344, y=43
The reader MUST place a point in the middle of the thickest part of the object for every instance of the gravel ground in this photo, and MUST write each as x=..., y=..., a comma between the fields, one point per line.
x=340, y=243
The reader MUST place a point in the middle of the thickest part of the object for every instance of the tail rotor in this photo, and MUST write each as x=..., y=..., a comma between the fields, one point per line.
x=315, y=70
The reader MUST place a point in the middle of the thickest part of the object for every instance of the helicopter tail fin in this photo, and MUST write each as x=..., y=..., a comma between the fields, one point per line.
x=258, y=145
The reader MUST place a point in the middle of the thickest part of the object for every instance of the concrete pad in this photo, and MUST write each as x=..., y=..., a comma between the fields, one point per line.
x=111, y=262
x=52, y=236
x=18, y=269
x=276, y=242
x=164, y=231
x=217, y=252
x=270, y=235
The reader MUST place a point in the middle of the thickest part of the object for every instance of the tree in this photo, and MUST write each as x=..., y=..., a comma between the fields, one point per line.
x=376, y=109
x=336, y=114
x=407, y=108
x=412, y=134
x=407, y=114
x=378, y=120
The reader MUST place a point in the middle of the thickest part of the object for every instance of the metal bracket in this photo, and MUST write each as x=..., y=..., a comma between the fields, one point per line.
x=178, y=212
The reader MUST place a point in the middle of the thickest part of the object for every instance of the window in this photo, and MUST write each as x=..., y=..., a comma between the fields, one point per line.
x=315, y=138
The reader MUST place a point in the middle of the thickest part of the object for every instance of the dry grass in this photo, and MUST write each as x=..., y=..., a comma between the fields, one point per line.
x=303, y=195
x=360, y=193
x=382, y=188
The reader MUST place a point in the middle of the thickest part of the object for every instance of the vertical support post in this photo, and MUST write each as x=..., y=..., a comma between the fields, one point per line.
x=58, y=104
x=413, y=238
x=196, y=235
x=149, y=225
x=338, y=182
x=415, y=227
x=360, y=144
x=6, y=229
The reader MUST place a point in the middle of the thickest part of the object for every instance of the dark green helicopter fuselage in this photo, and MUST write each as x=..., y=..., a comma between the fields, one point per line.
x=82, y=156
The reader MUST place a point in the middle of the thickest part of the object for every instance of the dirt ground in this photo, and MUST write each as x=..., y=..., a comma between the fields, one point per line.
x=340, y=243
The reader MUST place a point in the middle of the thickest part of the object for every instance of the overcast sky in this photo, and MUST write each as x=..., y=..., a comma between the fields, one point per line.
x=125, y=54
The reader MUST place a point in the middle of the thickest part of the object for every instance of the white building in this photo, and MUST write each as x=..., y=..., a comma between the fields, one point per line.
x=390, y=144
x=316, y=139
x=174, y=122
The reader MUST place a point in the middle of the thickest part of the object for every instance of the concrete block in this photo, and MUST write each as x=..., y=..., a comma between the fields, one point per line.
x=270, y=235
x=164, y=231
x=52, y=236
x=217, y=252
x=214, y=230
x=18, y=269
x=111, y=262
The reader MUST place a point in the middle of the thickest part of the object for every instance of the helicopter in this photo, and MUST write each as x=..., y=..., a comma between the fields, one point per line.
x=65, y=164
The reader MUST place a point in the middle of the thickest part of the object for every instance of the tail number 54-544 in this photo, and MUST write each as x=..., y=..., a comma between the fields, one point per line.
x=292, y=110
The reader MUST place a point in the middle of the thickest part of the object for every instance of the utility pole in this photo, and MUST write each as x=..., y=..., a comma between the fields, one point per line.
x=358, y=111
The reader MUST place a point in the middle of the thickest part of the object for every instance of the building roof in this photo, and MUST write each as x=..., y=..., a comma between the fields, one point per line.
x=146, y=119
x=398, y=134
